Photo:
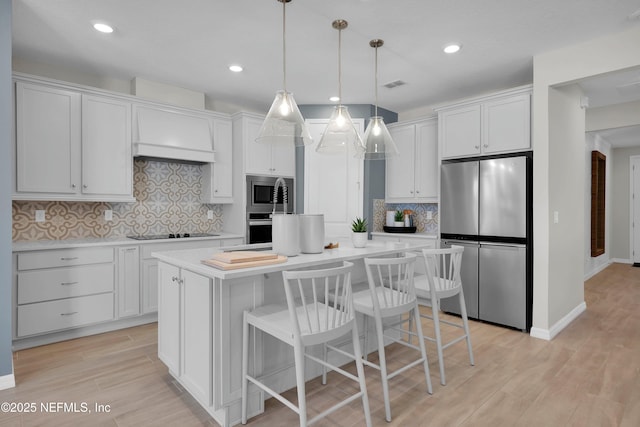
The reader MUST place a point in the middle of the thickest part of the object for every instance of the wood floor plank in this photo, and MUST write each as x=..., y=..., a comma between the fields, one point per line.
x=589, y=375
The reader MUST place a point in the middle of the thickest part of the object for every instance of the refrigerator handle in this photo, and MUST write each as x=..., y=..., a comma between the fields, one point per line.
x=508, y=245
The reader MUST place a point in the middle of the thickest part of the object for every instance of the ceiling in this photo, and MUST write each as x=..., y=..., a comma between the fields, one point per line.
x=190, y=44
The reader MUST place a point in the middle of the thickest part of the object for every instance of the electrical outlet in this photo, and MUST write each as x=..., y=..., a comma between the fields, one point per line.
x=40, y=215
x=556, y=217
x=429, y=215
x=108, y=215
x=209, y=214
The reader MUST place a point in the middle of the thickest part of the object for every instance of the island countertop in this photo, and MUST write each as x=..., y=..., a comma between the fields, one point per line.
x=191, y=259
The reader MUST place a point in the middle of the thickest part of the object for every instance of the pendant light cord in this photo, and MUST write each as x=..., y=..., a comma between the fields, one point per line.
x=284, y=48
x=340, y=65
x=376, y=82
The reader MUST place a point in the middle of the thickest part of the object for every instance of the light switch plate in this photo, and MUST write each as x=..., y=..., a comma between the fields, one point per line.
x=108, y=215
x=40, y=215
x=209, y=214
x=556, y=217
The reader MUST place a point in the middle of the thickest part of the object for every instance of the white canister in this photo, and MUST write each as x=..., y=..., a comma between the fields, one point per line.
x=390, y=218
x=311, y=233
x=285, y=232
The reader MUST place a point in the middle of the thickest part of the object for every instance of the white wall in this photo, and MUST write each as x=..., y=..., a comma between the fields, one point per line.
x=620, y=179
x=558, y=290
x=594, y=265
x=613, y=116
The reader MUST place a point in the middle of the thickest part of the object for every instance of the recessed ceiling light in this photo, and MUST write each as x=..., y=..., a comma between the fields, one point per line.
x=103, y=28
x=334, y=98
x=452, y=48
x=235, y=68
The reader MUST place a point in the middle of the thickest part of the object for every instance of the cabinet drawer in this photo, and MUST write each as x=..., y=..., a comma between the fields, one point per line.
x=63, y=314
x=63, y=258
x=147, y=250
x=45, y=285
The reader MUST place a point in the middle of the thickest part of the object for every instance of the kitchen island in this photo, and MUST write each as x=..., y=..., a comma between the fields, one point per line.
x=200, y=321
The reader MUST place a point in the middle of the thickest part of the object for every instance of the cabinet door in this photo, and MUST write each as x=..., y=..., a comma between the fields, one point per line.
x=333, y=183
x=128, y=282
x=400, y=170
x=460, y=131
x=107, y=164
x=149, y=286
x=217, y=178
x=223, y=167
x=47, y=139
x=426, y=157
x=283, y=159
x=507, y=124
x=257, y=155
x=169, y=301
x=197, y=336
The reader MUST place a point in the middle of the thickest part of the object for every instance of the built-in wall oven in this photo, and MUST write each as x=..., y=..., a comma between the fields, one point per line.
x=260, y=204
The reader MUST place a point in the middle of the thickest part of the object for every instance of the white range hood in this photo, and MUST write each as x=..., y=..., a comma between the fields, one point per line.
x=170, y=134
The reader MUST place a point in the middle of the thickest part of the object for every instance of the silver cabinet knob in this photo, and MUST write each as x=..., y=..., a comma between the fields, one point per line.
x=73, y=186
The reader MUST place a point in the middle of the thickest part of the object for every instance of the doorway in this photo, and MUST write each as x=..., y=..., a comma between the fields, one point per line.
x=634, y=203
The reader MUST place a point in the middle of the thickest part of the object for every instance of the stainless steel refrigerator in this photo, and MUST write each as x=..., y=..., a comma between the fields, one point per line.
x=485, y=206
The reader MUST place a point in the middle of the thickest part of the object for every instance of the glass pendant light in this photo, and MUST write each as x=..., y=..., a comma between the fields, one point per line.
x=340, y=132
x=284, y=123
x=377, y=140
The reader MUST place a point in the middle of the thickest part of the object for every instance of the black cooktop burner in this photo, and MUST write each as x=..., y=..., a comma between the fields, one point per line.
x=171, y=236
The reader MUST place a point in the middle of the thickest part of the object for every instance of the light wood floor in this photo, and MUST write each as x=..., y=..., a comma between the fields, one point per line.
x=589, y=375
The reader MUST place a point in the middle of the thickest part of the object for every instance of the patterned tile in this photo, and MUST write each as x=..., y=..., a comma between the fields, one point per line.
x=167, y=201
x=420, y=213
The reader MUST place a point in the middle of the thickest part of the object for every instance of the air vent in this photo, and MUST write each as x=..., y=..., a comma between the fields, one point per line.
x=394, y=83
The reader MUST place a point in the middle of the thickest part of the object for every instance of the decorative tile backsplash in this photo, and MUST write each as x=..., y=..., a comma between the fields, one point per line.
x=167, y=201
x=420, y=214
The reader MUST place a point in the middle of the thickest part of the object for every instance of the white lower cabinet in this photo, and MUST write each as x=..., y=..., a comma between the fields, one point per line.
x=128, y=281
x=185, y=336
x=62, y=289
x=399, y=237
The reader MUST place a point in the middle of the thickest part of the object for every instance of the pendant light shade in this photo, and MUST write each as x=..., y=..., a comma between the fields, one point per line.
x=377, y=140
x=340, y=132
x=284, y=123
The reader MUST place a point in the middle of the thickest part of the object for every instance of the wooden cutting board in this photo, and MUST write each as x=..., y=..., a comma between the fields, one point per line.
x=243, y=256
x=237, y=265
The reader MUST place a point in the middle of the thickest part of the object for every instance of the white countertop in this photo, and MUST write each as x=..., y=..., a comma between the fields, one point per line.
x=190, y=259
x=36, y=245
x=403, y=235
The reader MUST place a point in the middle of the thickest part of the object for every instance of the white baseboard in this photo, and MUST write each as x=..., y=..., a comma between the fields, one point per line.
x=549, y=334
x=622, y=261
x=597, y=270
x=7, y=381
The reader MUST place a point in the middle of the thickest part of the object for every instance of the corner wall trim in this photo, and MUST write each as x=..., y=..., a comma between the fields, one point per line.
x=622, y=260
x=549, y=334
x=7, y=381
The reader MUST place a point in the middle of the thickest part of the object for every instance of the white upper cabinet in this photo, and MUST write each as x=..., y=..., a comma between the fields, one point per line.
x=107, y=165
x=71, y=145
x=506, y=124
x=412, y=176
x=499, y=123
x=265, y=158
x=217, y=178
x=48, y=140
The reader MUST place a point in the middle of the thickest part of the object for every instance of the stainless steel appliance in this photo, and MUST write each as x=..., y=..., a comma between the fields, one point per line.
x=485, y=206
x=260, y=194
x=260, y=205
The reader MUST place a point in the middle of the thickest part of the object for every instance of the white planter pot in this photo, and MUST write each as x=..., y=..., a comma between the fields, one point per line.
x=285, y=231
x=398, y=223
x=359, y=239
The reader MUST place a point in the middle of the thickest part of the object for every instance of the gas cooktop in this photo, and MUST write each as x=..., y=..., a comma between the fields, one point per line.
x=171, y=236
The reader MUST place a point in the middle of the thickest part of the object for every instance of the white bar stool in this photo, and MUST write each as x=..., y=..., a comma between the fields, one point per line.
x=320, y=309
x=442, y=280
x=391, y=294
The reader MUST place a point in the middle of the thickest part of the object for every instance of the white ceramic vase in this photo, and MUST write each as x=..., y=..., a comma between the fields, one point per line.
x=359, y=239
x=285, y=231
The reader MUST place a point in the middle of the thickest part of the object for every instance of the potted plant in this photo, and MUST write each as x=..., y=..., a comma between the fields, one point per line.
x=398, y=219
x=359, y=236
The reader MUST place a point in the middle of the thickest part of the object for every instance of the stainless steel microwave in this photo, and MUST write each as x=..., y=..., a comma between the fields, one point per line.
x=260, y=194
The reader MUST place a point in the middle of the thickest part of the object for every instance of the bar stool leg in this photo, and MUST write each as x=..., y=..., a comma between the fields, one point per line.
x=360, y=368
x=298, y=351
x=423, y=349
x=383, y=369
x=245, y=365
